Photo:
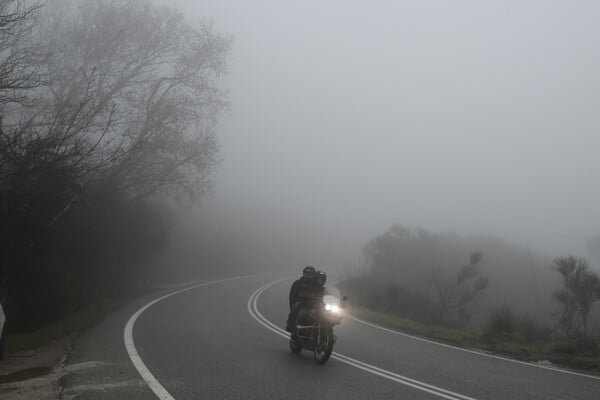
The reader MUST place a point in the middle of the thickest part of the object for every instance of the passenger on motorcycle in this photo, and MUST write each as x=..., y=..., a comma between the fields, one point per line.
x=304, y=292
x=321, y=278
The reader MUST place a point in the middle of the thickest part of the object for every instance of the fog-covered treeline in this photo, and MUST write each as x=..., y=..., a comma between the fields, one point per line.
x=107, y=111
x=475, y=281
x=229, y=241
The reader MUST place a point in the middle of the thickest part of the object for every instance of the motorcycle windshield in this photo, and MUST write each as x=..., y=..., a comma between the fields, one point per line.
x=331, y=296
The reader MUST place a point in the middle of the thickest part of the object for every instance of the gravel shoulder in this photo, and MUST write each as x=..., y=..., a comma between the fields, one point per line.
x=35, y=373
x=91, y=364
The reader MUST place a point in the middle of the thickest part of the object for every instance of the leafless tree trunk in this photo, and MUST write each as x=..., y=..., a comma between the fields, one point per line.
x=455, y=292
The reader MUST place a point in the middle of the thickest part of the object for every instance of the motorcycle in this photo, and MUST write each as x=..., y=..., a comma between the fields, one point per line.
x=314, y=327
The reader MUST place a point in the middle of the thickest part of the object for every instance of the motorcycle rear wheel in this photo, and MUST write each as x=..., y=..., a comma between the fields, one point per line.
x=323, y=351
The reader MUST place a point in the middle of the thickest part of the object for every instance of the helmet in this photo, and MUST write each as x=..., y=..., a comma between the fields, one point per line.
x=309, y=272
x=321, y=278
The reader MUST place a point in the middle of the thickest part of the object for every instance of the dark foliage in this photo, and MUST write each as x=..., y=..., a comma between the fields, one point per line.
x=580, y=290
x=96, y=250
x=388, y=298
x=105, y=108
x=427, y=265
x=504, y=324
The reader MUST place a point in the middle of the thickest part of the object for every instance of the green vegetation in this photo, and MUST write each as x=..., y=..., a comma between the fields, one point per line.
x=455, y=337
x=573, y=353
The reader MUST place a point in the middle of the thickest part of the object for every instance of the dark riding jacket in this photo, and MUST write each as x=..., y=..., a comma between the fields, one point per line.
x=305, y=290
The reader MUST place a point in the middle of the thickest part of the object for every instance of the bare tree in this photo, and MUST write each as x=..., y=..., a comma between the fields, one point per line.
x=17, y=67
x=18, y=74
x=455, y=292
x=128, y=100
x=131, y=97
x=580, y=289
x=18, y=77
x=110, y=100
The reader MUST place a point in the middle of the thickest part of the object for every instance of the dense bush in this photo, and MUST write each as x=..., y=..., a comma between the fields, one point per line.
x=502, y=321
x=504, y=324
x=98, y=249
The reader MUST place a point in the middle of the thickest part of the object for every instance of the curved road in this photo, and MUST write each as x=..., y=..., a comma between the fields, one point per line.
x=223, y=341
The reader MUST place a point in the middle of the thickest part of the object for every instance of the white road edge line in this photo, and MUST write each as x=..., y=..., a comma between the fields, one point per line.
x=256, y=314
x=479, y=353
x=144, y=372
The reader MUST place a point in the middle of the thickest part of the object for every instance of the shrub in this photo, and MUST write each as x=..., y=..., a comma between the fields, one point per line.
x=505, y=324
x=502, y=321
x=387, y=298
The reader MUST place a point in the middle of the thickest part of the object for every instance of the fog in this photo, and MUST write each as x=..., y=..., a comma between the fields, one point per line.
x=470, y=117
x=437, y=159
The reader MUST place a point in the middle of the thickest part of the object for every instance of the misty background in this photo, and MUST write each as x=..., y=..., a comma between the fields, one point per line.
x=472, y=123
x=419, y=144
x=478, y=118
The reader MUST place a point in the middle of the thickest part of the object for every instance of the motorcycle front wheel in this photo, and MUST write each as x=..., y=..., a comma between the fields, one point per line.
x=295, y=344
x=324, y=349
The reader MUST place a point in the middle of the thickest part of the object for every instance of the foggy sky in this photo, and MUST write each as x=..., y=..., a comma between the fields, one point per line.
x=476, y=117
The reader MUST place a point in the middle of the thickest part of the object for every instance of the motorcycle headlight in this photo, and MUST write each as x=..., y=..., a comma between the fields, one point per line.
x=332, y=307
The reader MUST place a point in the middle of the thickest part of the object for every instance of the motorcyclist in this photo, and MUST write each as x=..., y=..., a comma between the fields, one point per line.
x=320, y=279
x=313, y=297
x=301, y=293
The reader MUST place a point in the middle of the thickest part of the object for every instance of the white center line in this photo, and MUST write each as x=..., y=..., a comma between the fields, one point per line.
x=404, y=380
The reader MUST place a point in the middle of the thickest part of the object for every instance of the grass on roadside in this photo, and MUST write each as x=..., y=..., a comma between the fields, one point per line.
x=447, y=335
x=563, y=352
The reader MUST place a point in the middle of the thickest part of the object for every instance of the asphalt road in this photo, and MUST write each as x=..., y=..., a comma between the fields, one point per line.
x=224, y=341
